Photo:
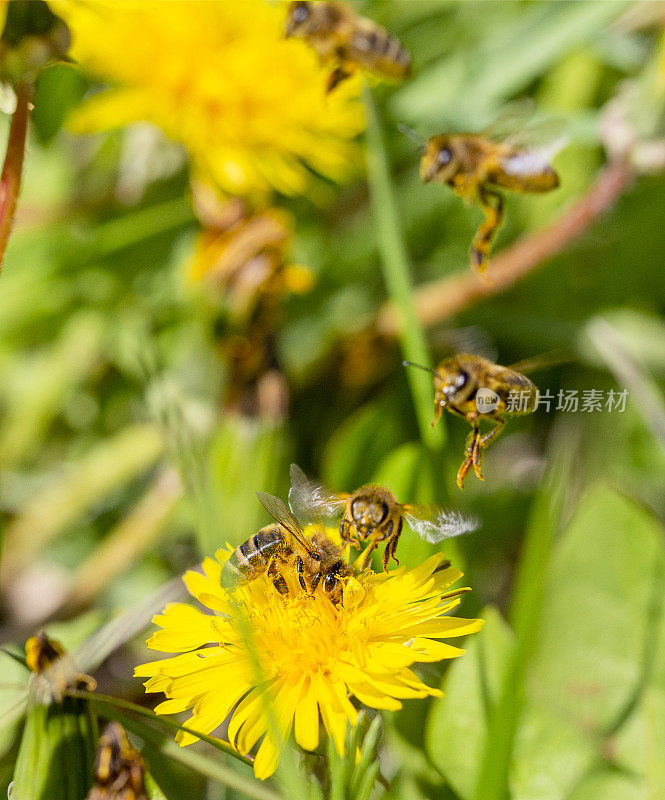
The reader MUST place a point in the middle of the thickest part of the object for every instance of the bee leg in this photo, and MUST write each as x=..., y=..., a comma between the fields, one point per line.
x=469, y=455
x=482, y=241
x=300, y=569
x=389, y=552
x=483, y=442
x=315, y=581
x=277, y=578
x=86, y=681
x=346, y=534
x=335, y=78
x=368, y=554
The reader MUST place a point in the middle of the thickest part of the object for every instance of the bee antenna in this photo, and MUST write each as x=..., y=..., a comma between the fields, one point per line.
x=418, y=366
x=413, y=135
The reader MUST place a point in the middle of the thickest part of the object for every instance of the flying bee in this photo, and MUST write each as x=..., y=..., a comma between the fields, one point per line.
x=477, y=389
x=119, y=768
x=372, y=514
x=281, y=547
x=347, y=41
x=53, y=670
x=477, y=166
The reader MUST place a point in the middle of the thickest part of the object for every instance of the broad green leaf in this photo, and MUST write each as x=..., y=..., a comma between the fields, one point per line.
x=609, y=785
x=154, y=792
x=456, y=731
x=596, y=626
x=399, y=470
x=59, y=89
x=639, y=745
x=56, y=753
x=549, y=758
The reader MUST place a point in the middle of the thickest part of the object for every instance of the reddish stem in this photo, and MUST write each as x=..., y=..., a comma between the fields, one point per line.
x=10, y=180
x=439, y=300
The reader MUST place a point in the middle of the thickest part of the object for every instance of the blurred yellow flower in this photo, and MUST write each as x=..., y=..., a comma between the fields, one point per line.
x=219, y=77
x=303, y=656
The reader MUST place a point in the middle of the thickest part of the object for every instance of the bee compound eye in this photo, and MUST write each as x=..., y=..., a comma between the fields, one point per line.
x=462, y=379
x=384, y=512
x=300, y=13
x=444, y=157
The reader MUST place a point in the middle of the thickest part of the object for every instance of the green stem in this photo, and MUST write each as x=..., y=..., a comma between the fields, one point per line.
x=526, y=607
x=116, y=702
x=397, y=276
x=12, y=170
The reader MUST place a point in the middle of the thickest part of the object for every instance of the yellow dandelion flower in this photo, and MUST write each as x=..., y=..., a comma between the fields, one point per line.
x=248, y=105
x=306, y=658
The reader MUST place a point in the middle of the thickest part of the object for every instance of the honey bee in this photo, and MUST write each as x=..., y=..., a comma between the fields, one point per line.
x=476, y=166
x=372, y=514
x=53, y=670
x=119, y=768
x=56, y=672
x=282, y=547
x=477, y=389
x=347, y=41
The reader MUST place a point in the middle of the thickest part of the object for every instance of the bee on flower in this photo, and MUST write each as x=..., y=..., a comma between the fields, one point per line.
x=273, y=662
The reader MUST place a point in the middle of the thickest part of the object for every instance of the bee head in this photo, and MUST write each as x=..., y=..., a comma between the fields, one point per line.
x=438, y=162
x=298, y=17
x=368, y=512
x=452, y=383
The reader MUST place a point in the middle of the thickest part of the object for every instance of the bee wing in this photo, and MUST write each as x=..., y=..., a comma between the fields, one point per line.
x=551, y=358
x=276, y=508
x=435, y=525
x=514, y=126
x=307, y=494
x=513, y=117
x=471, y=339
x=130, y=622
x=546, y=136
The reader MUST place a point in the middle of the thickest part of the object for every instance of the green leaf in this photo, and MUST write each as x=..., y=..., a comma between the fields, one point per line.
x=56, y=752
x=608, y=785
x=597, y=617
x=550, y=756
x=639, y=745
x=456, y=732
x=59, y=89
x=154, y=792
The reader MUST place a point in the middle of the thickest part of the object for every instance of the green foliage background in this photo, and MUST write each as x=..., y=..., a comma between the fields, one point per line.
x=112, y=379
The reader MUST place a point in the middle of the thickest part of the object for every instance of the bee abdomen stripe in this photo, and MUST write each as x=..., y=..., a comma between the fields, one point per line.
x=248, y=547
x=265, y=539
